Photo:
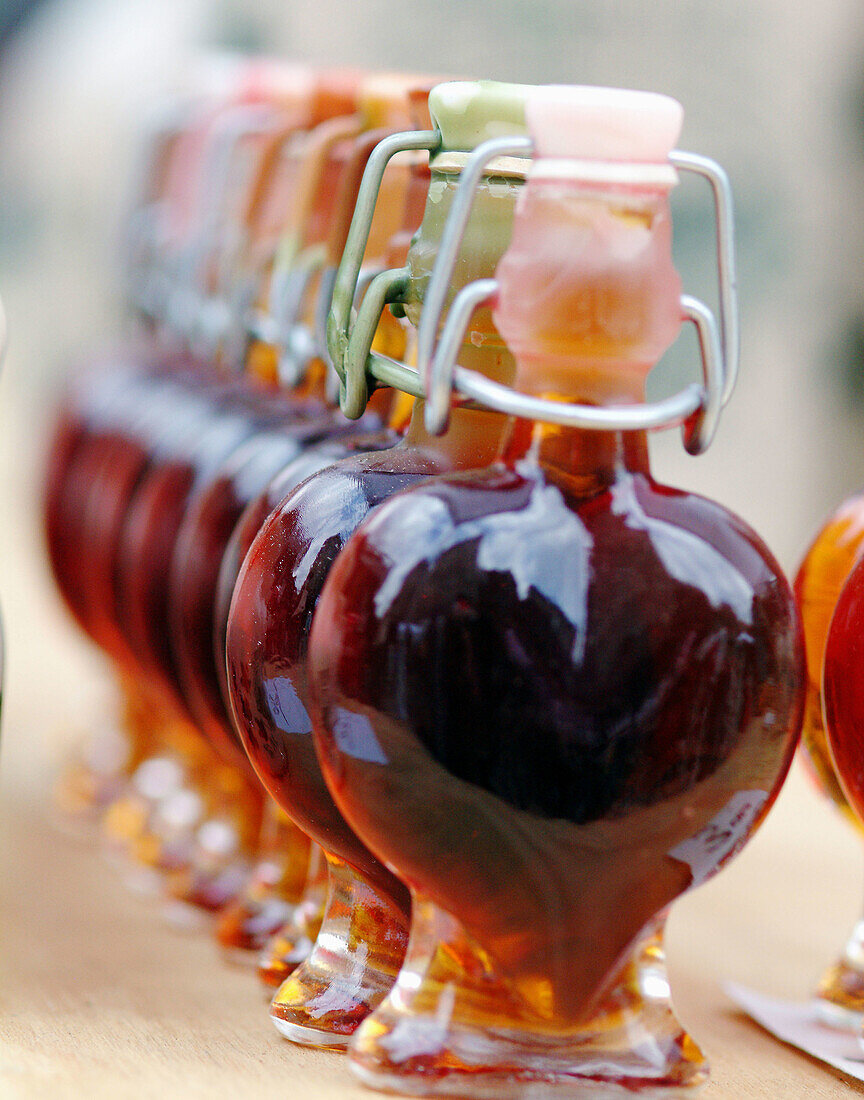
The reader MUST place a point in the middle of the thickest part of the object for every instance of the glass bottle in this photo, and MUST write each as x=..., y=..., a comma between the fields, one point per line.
x=267, y=903
x=155, y=422
x=363, y=935
x=141, y=579
x=554, y=694
x=829, y=592
x=247, y=921
x=100, y=405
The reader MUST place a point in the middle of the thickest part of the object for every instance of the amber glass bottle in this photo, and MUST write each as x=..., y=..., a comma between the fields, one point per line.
x=833, y=616
x=247, y=923
x=553, y=695
x=360, y=947
x=268, y=907
x=154, y=427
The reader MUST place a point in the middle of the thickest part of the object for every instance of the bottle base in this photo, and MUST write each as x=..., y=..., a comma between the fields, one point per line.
x=284, y=953
x=92, y=779
x=246, y=926
x=292, y=943
x=409, y=1056
x=453, y=1025
x=309, y=1036
x=839, y=999
x=322, y=1004
x=211, y=890
x=521, y=1088
x=351, y=968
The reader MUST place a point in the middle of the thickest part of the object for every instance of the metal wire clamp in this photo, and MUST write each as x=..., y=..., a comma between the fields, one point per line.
x=696, y=407
x=339, y=321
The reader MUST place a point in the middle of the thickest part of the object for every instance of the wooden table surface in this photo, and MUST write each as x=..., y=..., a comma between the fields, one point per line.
x=101, y=998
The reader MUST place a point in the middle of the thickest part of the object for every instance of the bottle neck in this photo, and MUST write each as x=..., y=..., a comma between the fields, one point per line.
x=474, y=437
x=589, y=460
x=589, y=300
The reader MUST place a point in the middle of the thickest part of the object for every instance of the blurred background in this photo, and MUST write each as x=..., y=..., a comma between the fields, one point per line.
x=774, y=91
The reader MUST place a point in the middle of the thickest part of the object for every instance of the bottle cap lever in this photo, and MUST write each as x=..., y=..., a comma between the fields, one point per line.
x=696, y=408
x=348, y=272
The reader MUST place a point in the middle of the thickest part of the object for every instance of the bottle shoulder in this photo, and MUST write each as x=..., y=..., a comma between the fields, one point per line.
x=832, y=554
x=526, y=519
x=338, y=494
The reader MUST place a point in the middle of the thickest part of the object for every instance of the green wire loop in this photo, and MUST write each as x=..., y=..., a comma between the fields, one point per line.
x=345, y=286
x=360, y=362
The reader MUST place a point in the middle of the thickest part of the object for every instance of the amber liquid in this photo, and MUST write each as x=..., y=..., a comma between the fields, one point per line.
x=268, y=629
x=840, y=994
x=154, y=517
x=169, y=410
x=98, y=454
x=551, y=705
x=212, y=513
x=260, y=912
x=844, y=688
x=251, y=521
x=90, y=424
x=818, y=585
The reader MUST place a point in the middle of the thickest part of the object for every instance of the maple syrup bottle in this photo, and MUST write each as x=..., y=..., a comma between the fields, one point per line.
x=100, y=406
x=286, y=887
x=827, y=566
x=268, y=901
x=299, y=418
x=292, y=942
x=271, y=915
x=553, y=695
x=363, y=936
x=840, y=995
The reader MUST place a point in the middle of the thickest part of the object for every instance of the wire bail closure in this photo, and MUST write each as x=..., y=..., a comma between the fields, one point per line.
x=350, y=331
x=322, y=313
x=185, y=308
x=345, y=323
x=696, y=408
